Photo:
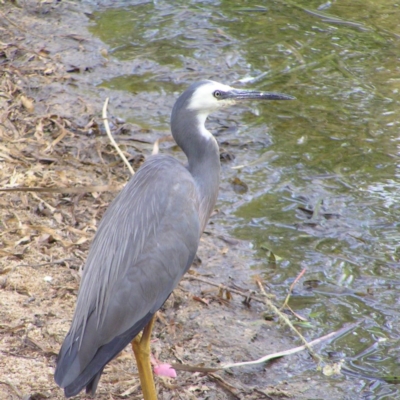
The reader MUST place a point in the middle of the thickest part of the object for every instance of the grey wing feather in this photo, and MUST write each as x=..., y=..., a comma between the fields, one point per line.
x=145, y=242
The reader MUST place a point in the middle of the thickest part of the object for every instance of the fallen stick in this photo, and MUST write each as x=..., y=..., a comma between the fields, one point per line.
x=113, y=142
x=314, y=342
x=340, y=332
x=284, y=318
x=74, y=189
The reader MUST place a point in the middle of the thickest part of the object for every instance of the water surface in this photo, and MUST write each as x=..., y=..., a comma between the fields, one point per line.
x=325, y=196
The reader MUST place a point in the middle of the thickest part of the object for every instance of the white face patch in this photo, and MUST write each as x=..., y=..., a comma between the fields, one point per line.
x=203, y=98
x=201, y=120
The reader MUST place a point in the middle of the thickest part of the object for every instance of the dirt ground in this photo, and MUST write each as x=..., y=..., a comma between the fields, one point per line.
x=52, y=139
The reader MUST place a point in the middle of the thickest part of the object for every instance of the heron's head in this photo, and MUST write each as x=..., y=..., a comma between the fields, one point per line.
x=207, y=96
x=200, y=99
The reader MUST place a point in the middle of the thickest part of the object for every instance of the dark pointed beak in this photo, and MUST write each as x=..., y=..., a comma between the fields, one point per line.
x=237, y=94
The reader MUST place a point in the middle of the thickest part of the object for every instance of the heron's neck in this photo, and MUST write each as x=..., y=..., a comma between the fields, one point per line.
x=202, y=152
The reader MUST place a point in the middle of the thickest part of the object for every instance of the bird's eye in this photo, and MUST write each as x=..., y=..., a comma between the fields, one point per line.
x=217, y=94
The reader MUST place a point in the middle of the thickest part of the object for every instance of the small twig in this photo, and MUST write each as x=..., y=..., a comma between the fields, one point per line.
x=55, y=141
x=194, y=368
x=113, y=142
x=64, y=132
x=219, y=285
x=16, y=391
x=57, y=262
x=278, y=392
x=298, y=316
x=75, y=189
x=51, y=208
x=285, y=303
x=285, y=319
x=230, y=388
x=156, y=145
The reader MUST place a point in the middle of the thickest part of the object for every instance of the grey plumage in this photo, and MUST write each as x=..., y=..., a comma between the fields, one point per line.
x=131, y=249
x=146, y=241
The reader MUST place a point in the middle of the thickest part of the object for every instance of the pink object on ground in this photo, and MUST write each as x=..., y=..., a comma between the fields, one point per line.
x=164, y=370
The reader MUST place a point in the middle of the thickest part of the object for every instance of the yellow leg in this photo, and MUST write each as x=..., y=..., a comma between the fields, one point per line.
x=141, y=348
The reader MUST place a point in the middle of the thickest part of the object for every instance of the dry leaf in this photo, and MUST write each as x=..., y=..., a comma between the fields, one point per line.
x=27, y=103
x=81, y=240
x=225, y=250
x=48, y=71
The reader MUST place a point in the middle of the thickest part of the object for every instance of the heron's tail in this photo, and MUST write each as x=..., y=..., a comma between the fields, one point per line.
x=73, y=377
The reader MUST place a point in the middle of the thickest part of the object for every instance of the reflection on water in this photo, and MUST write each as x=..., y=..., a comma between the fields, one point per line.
x=328, y=200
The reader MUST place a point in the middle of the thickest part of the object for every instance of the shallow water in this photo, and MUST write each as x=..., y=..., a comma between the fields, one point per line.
x=325, y=195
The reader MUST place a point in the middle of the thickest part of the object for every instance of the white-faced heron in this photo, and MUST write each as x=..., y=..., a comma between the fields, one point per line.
x=145, y=242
